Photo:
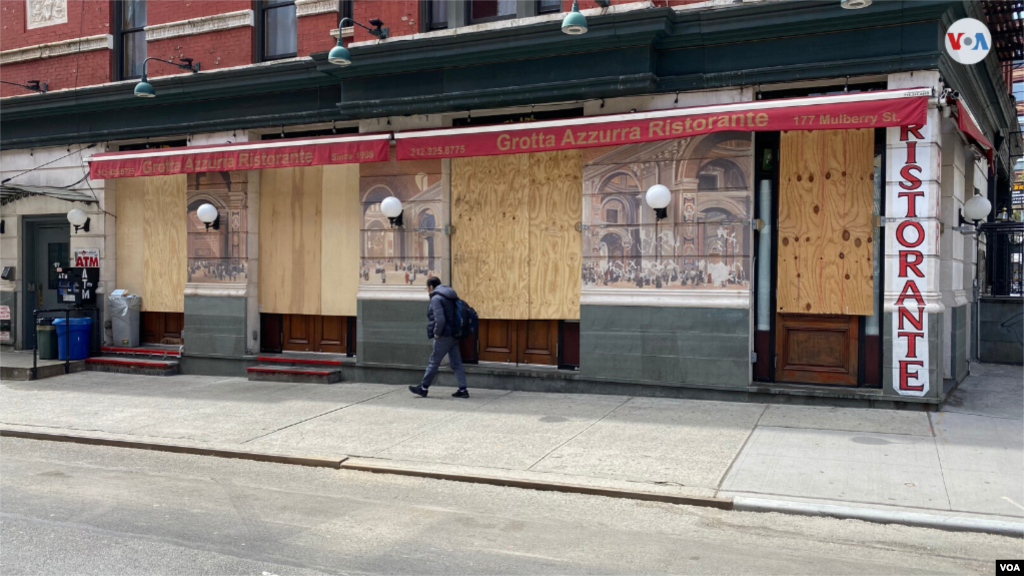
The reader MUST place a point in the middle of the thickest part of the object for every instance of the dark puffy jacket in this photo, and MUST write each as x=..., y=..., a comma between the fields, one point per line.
x=442, y=308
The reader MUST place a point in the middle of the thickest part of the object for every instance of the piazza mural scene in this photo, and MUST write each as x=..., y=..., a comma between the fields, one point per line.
x=407, y=255
x=218, y=256
x=702, y=244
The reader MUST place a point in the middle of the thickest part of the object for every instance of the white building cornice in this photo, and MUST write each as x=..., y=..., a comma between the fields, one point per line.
x=54, y=49
x=314, y=7
x=346, y=32
x=201, y=25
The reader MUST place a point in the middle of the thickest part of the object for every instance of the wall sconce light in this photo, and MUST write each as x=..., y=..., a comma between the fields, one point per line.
x=209, y=215
x=574, y=23
x=975, y=209
x=145, y=90
x=79, y=219
x=339, y=55
x=659, y=197
x=392, y=208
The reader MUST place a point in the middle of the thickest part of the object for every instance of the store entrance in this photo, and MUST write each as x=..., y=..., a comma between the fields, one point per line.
x=47, y=247
x=818, y=279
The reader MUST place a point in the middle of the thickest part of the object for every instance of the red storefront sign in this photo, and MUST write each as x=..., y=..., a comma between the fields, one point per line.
x=863, y=110
x=283, y=153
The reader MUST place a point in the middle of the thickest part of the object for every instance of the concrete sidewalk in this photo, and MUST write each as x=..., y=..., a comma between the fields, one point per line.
x=967, y=460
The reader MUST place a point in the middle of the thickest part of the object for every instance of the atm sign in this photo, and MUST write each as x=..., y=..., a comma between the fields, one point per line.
x=87, y=258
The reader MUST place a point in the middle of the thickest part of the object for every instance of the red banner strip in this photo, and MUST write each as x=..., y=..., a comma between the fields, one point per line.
x=965, y=122
x=241, y=156
x=862, y=110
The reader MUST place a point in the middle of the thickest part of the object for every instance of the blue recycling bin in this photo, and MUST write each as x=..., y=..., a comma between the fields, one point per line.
x=80, y=330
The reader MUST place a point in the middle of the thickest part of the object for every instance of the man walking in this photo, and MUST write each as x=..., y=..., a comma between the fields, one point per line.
x=440, y=312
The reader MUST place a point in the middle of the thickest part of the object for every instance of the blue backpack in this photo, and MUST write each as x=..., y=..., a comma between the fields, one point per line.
x=464, y=323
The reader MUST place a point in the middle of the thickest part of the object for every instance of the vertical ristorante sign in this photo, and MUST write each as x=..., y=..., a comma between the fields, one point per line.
x=911, y=218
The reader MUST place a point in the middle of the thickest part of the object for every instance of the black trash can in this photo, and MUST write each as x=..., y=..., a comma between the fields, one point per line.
x=46, y=339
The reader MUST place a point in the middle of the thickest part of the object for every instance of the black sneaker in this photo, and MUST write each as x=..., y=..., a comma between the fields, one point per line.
x=461, y=394
x=418, y=391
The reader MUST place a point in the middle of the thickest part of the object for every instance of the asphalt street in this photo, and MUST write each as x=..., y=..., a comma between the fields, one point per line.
x=73, y=509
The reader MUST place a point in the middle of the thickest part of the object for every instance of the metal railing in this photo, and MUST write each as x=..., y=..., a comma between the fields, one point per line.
x=1005, y=258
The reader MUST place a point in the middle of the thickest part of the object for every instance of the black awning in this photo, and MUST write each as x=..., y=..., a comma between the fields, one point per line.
x=11, y=192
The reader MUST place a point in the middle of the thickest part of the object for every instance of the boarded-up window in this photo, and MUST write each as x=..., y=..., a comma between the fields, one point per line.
x=309, y=240
x=826, y=212
x=151, y=240
x=516, y=254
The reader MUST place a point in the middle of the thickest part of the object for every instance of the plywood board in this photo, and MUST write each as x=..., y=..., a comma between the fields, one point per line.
x=825, y=222
x=490, y=246
x=342, y=214
x=130, y=200
x=165, y=244
x=556, y=250
x=290, y=240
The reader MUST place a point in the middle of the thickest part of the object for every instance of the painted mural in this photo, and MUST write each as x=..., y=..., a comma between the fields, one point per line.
x=406, y=255
x=218, y=256
x=702, y=244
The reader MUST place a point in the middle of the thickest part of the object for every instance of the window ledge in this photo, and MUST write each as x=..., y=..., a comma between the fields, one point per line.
x=512, y=23
x=54, y=49
x=201, y=25
x=346, y=32
x=314, y=7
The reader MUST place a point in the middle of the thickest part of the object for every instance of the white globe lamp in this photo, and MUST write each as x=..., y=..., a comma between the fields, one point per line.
x=659, y=197
x=209, y=215
x=977, y=208
x=392, y=208
x=79, y=219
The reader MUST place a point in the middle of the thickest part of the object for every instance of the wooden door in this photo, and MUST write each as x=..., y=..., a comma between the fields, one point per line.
x=538, y=342
x=309, y=333
x=299, y=333
x=817, y=349
x=333, y=334
x=162, y=327
x=825, y=270
x=498, y=340
x=519, y=341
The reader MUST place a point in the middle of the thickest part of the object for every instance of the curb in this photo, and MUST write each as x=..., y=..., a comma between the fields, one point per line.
x=720, y=503
x=738, y=503
x=178, y=449
x=952, y=523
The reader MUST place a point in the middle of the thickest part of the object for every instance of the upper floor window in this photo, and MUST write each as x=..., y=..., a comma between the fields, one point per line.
x=436, y=15
x=491, y=10
x=278, y=36
x=548, y=6
x=131, y=40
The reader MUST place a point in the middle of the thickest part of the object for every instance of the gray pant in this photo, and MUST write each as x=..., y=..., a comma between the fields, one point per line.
x=450, y=346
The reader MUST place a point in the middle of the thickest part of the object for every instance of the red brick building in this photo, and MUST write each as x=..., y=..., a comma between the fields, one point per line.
x=75, y=43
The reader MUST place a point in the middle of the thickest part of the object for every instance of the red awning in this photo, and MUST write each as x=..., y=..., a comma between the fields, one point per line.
x=861, y=110
x=284, y=153
x=967, y=124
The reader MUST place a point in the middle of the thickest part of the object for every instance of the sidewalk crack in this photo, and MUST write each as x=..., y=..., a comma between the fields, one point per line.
x=575, y=436
x=938, y=458
x=721, y=479
x=318, y=416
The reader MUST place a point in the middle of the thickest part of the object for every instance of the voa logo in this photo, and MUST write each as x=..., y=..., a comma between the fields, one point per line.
x=968, y=41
